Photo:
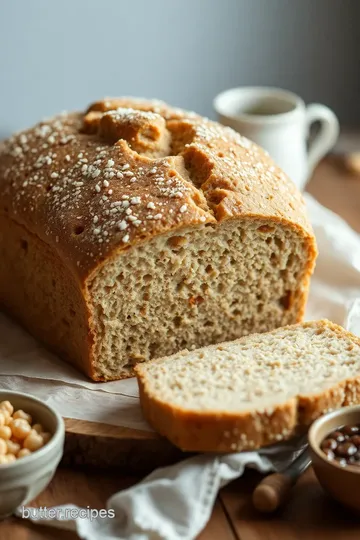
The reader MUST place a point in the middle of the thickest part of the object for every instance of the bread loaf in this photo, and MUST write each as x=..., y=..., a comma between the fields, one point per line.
x=254, y=391
x=134, y=230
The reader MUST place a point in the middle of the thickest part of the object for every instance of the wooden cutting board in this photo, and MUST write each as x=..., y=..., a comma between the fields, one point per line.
x=130, y=450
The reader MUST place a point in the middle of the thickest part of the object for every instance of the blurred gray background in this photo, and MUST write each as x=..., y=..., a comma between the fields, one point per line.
x=62, y=55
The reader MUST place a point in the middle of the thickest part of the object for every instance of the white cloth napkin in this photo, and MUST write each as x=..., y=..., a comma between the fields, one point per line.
x=176, y=502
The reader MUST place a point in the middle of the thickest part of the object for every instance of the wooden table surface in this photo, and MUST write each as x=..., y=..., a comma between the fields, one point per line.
x=309, y=513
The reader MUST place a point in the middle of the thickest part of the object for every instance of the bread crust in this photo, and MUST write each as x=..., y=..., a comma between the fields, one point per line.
x=211, y=431
x=69, y=180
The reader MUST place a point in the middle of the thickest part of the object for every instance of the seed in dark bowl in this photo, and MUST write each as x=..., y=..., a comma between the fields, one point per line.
x=328, y=443
x=342, y=462
x=355, y=439
x=338, y=436
x=329, y=454
x=350, y=430
x=346, y=449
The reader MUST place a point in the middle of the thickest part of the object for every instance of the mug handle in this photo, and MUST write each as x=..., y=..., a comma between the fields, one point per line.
x=327, y=136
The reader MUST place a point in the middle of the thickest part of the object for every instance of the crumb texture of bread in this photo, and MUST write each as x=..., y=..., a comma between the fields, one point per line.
x=253, y=391
x=192, y=289
x=164, y=229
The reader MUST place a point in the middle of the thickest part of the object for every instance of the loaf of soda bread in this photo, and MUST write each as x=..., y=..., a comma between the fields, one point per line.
x=252, y=392
x=134, y=230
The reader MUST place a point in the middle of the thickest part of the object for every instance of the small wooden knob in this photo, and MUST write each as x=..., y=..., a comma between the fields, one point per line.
x=271, y=492
x=352, y=163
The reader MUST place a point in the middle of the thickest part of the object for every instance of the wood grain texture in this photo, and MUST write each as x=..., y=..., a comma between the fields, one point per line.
x=309, y=514
x=97, y=429
x=104, y=446
x=218, y=528
x=337, y=189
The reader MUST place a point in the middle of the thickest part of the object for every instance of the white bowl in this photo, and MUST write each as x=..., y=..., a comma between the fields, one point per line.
x=22, y=480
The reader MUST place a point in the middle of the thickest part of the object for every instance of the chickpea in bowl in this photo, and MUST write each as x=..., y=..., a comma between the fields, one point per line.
x=19, y=435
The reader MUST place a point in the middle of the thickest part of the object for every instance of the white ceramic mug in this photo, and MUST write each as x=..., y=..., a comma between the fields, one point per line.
x=280, y=122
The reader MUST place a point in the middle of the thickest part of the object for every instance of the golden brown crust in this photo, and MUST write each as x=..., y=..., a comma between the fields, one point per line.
x=211, y=431
x=127, y=170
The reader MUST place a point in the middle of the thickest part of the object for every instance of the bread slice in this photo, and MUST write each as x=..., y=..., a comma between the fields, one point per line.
x=254, y=391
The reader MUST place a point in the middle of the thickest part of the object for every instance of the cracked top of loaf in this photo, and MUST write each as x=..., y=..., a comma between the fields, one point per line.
x=94, y=183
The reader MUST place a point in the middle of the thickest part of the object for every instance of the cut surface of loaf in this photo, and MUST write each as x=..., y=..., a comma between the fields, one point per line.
x=134, y=230
x=253, y=391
